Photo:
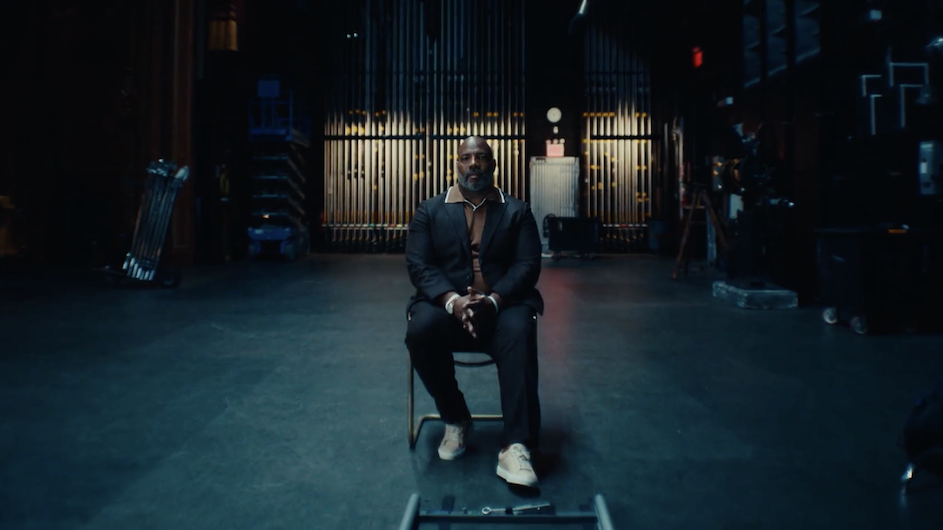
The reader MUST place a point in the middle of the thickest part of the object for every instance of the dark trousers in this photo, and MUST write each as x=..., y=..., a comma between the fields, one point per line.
x=433, y=335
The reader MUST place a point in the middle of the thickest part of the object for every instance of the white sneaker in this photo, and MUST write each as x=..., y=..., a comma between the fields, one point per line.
x=453, y=443
x=514, y=466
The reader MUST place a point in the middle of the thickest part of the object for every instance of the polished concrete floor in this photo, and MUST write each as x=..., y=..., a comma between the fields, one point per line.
x=268, y=395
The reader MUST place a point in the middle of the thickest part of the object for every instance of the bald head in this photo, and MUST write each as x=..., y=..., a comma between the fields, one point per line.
x=474, y=143
x=475, y=165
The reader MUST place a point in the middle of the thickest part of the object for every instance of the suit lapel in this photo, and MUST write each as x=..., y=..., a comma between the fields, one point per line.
x=456, y=213
x=492, y=222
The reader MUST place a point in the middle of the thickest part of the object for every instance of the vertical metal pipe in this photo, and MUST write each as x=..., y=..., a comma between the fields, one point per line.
x=358, y=164
x=517, y=83
x=600, y=131
x=399, y=32
x=615, y=47
x=440, y=169
x=632, y=145
x=358, y=160
x=409, y=112
x=404, y=115
x=379, y=53
x=636, y=121
x=343, y=109
x=507, y=89
x=367, y=153
x=520, y=88
x=588, y=121
x=610, y=182
x=640, y=120
x=394, y=74
x=626, y=168
x=647, y=113
x=427, y=117
x=650, y=125
x=618, y=101
x=328, y=128
x=412, y=111
x=631, y=130
x=437, y=170
x=350, y=95
x=346, y=151
x=455, y=124
x=604, y=110
x=432, y=168
x=584, y=127
x=591, y=121
x=503, y=90
x=596, y=131
x=390, y=80
x=492, y=76
x=355, y=143
x=445, y=166
x=354, y=127
x=370, y=173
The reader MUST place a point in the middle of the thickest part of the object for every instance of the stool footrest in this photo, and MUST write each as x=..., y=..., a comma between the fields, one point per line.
x=416, y=426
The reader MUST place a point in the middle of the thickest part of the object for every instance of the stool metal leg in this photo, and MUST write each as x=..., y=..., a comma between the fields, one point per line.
x=415, y=426
x=409, y=408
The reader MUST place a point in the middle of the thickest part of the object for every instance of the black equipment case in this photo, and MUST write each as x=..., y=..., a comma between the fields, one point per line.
x=873, y=276
x=577, y=235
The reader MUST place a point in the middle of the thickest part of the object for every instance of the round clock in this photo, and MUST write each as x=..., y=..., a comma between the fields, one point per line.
x=554, y=115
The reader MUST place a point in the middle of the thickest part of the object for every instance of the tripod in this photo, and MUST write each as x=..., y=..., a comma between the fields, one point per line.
x=702, y=202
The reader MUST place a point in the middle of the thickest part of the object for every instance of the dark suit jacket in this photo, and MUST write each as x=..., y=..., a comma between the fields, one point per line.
x=438, y=251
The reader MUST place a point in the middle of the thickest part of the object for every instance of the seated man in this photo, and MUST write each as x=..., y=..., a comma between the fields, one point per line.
x=473, y=254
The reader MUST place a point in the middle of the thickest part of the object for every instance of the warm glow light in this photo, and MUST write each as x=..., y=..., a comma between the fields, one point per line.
x=698, y=57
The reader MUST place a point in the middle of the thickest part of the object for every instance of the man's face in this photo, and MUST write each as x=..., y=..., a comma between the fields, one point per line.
x=475, y=166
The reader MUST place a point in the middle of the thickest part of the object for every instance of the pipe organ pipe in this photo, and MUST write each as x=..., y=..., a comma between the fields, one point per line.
x=370, y=108
x=612, y=116
x=632, y=95
x=596, y=132
x=643, y=97
x=637, y=119
x=407, y=167
x=649, y=124
x=402, y=172
x=399, y=102
x=591, y=61
x=628, y=163
x=616, y=113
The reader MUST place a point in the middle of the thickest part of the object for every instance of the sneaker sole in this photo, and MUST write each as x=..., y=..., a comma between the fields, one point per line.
x=453, y=456
x=517, y=480
x=460, y=452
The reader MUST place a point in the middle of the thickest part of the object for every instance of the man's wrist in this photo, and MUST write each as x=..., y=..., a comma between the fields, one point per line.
x=449, y=303
x=444, y=298
x=494, y=302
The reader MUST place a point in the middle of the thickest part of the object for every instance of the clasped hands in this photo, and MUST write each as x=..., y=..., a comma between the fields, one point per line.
x=472, y=309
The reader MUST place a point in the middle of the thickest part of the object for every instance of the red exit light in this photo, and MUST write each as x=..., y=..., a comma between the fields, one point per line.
x=698, y=57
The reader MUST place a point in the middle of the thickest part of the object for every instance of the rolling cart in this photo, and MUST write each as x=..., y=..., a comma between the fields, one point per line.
x=279, y=222
x=143, y=260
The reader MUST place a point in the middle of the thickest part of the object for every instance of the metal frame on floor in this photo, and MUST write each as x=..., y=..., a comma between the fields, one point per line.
x=413, y=516
x=414, y=426
x=928, y=463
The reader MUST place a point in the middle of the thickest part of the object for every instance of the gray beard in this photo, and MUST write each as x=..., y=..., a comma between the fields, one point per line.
x=485, y=181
